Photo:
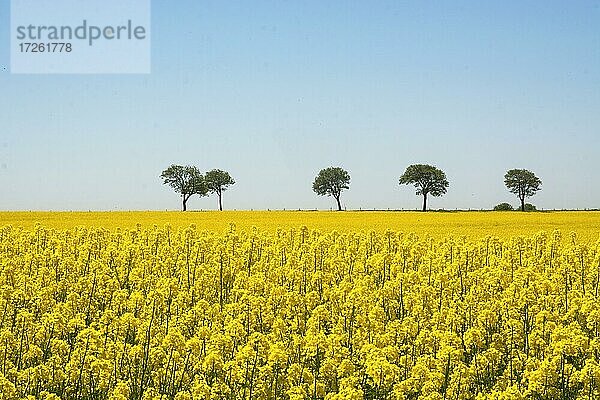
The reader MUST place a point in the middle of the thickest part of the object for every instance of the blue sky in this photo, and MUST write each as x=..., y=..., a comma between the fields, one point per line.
x=273, y=91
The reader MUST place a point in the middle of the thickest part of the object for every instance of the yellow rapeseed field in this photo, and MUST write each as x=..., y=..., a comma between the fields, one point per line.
x=437, y=224
x=299, y=305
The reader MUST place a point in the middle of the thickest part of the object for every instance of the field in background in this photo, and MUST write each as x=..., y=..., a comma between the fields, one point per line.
x=438, y=224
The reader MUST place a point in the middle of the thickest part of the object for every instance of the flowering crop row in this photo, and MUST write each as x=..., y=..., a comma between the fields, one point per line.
x=181, y=314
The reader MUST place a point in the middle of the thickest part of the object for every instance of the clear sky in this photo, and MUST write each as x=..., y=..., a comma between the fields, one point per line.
x=273, y=91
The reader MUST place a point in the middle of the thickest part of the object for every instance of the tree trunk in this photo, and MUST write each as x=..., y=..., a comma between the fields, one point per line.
x=522, y=203
x=184, y=208
x=220, y=202
x=338, y=203
x=424, y=201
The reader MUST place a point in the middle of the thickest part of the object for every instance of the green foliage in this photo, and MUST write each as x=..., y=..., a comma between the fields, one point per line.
x=530, y=207
x=331, y=182
x=185, y=180
x=522, y=183
x=503, y=207
x=428, y=180
x=217, y=181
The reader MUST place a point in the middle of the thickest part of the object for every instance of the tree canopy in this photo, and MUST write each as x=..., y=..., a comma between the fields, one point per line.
x=217, y=181
x=428, y=180
x=331, y=182
x=185, y=180
x=503, y=207
x=522, y=183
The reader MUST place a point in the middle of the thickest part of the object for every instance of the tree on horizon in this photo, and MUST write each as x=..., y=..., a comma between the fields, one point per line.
x=217, y=181
x=186, y=180
x=522, y=183
x=428, y=180
x=331, y=182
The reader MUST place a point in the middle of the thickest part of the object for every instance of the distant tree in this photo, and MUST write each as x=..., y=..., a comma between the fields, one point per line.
x=331, y=182
x=503, y=207
x=523, y=183
x=530, y=207
x=185, y=180
x=217, y=181
x=428, y=180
